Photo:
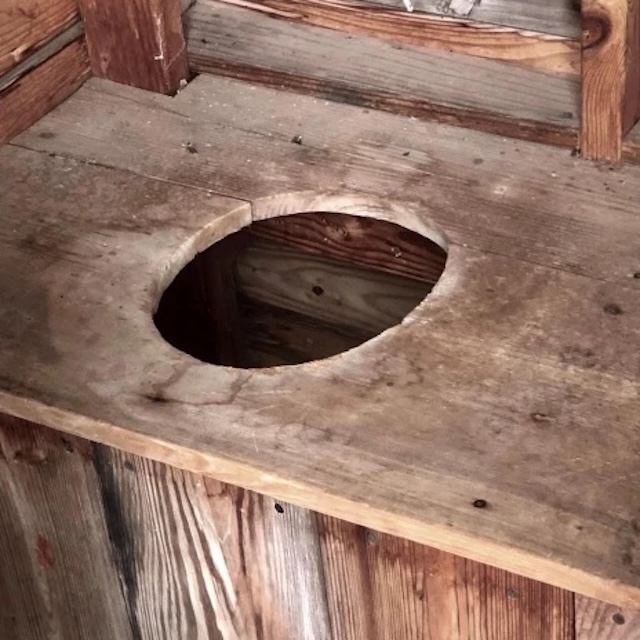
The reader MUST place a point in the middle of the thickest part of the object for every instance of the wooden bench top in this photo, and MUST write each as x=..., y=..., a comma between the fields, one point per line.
x=500, y=421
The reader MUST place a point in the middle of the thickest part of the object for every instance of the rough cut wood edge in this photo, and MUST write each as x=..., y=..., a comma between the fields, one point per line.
x=36, y=93
x=235, y=42
x=528, y=48
x=137, y=42
x=611, y=76
x=25, y=25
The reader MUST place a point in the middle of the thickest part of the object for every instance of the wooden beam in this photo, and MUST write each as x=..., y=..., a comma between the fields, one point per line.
x=611, y=75
x=137, y=42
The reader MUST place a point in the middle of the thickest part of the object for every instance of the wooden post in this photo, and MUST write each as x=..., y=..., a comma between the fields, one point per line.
x=610, y=75
x=137, y=42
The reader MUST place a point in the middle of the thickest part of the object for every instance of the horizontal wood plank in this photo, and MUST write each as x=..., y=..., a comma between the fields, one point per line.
x=527, y=48
x=447, y=87
x=25, y=25
x=275, y=336
x=611, y=76
x=557, y=17
x=363, y=241
x=599, y=621
x=37, y=92
x=57, y=575
x=362, y=300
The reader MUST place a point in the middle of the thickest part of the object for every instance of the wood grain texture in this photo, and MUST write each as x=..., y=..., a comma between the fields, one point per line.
x=447, y=87
x=599, y=621
x=105, y=544
x=362, y=241
x=557, y=17
x=546, y=52
x=611, y=76
x=57, y=577
x=25, y=25
x=275, y=336
x=350, y=297
x=137, y=42
x=37, y=92
x=498, y=388
x=386, y=588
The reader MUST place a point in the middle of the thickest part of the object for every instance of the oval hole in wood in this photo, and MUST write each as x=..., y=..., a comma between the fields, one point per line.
x=296, y=288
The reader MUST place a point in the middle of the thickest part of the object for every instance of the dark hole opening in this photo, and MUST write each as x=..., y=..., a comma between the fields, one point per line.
x=297, y=288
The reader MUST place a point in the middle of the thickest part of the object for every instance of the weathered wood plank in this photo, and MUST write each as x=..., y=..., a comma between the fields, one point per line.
x=386, y=588
x=25, y=25
x=40, y=90
x=522, y=103
x=278, y=549
x=514, y=384
x=611, y=76
x=527, y=48
x=521, y=200
x=599, y=621
x=137, y=42
x=336, y=293
x=57, y=577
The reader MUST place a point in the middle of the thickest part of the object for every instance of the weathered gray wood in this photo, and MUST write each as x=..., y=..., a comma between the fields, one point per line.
x=558, y=17
x=514, y=383
x=487, y=94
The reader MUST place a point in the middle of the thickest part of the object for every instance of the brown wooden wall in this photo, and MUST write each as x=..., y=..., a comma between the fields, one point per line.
x=43, y=60
x=96, y=543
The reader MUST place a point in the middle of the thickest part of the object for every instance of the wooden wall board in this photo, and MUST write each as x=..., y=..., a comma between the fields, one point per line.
x=527, y=48
x=523, y=103
x=555, y=17
x=611, y=76
x=276, y=337
x=57, y=574
x=360, y=241
x=107, y=544
x=558, y=17
x=493, y=392
x=599, y=621
x=390, y=584
x=25, y=25
x=364, y=300
x=31, y=96
x=137, y=42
